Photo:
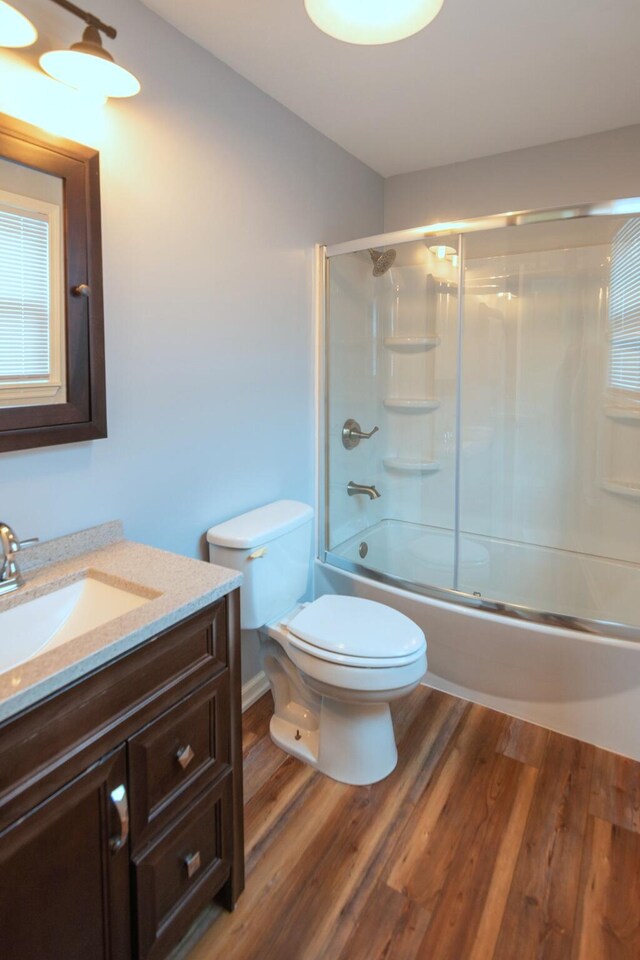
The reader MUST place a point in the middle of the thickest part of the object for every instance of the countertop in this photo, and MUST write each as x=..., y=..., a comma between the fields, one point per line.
x=176, y=587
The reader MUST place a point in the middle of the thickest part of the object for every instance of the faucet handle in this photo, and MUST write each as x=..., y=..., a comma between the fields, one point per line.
x=352, y=434
x=30, y=542
x=9, y=543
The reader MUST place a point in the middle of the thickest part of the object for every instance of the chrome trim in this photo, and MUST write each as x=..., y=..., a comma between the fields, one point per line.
x=119, y=800
x=10, y=577
x=354, y=489
x=625, y=206
x=595, y=628
x=458, y=420
x=323, y=439
x=352, y=434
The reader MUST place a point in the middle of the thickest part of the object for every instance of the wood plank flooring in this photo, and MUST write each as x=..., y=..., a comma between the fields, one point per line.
x=492, y=840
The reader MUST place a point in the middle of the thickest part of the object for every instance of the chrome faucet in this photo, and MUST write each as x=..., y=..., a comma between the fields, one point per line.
x=354, y=488
x=10, y=576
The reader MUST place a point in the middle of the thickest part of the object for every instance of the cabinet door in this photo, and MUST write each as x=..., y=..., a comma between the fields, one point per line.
x=64, y=872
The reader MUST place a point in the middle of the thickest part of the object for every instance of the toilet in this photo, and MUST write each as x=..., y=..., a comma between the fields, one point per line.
x=333, y=664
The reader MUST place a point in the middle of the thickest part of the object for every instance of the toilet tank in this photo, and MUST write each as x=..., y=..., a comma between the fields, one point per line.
x=271, y=547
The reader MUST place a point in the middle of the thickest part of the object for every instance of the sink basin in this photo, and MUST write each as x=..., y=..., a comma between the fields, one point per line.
x=57, y=617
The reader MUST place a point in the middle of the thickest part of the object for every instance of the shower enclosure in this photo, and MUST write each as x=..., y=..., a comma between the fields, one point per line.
x=482, y=414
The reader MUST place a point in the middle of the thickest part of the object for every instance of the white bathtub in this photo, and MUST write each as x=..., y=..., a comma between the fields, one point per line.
x=581, y=684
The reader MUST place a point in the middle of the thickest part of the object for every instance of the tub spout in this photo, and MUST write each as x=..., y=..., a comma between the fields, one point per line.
x=369, y=491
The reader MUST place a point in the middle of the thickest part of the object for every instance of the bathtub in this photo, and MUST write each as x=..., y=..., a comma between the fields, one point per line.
x=580, y=682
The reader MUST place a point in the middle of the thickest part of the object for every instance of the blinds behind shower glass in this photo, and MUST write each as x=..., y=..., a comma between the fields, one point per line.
x=24, y=296
x=624, y=308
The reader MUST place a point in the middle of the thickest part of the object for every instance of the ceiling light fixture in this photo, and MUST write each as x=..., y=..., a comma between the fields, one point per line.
x=443, y=251
x=15, y=29
x=372, y=21
x=87, y=65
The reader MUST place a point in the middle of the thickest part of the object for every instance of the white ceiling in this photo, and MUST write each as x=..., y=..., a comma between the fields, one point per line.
x=486, y=76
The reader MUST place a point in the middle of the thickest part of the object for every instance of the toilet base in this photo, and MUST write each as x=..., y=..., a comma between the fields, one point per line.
x=346, y=734
x=354, y=743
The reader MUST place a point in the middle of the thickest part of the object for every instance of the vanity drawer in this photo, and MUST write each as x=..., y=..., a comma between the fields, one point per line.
x=182, y=870
x=173, y=758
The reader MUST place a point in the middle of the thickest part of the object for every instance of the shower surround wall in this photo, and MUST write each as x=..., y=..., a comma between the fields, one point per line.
x=543, y=465
x=386, y=337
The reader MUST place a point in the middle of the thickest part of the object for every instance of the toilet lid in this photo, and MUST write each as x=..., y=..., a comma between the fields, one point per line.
x=353, y=627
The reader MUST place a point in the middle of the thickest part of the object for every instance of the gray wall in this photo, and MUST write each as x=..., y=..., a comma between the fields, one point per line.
x=213, y=196
x=602, y=166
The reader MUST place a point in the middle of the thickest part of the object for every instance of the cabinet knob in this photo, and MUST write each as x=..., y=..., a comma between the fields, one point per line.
x=192, y=863
x=184, y=756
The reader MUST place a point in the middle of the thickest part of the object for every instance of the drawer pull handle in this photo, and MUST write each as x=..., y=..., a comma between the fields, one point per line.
x=119, y=800
x=192, y=863
x=184, y=756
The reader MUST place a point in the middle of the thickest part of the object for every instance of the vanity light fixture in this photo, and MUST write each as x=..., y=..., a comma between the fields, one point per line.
x=86, y=65
x=15, y=29
x=372, y=22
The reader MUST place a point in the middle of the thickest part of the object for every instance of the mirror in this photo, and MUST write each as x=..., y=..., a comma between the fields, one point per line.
x=52, y=379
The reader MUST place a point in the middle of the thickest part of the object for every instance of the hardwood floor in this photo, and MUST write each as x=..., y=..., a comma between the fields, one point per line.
x=492, y=840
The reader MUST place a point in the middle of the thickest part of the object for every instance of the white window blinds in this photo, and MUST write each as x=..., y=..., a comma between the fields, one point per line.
x=24, y=296
x=624, y=308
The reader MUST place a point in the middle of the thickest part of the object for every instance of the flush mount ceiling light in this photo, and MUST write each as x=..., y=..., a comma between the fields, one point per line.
x=15, y=29
x=372, y=21
x=87, y=66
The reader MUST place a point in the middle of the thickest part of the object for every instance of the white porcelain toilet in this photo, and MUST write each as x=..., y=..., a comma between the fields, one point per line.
x=333, y=664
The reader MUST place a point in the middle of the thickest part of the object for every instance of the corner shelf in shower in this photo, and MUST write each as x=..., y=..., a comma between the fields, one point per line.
x=411, y=465
x=622, y=488
x=418, y=403
x=411, y=343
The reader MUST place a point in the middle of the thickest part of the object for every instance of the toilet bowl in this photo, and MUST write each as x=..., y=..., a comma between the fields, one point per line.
x=334, y=664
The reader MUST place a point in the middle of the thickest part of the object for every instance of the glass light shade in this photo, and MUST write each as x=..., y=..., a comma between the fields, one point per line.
x=97, y=75
x=372, y=21
x=443, y=251
x=15, y=29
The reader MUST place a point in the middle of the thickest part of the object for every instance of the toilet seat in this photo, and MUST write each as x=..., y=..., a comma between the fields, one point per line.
x=356, y=632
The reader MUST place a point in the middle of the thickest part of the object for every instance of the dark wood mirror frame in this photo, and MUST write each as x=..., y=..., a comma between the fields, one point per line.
x=83, y=415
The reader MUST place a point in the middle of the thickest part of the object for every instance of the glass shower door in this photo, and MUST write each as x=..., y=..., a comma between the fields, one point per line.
x=550, y=449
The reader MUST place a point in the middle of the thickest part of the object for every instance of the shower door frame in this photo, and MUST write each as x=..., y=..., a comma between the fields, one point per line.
x=628, y=206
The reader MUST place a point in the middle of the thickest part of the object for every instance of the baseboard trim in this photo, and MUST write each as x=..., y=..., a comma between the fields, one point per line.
x=253, y=689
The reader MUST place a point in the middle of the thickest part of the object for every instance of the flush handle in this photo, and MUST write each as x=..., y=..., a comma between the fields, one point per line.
x=257, y=554
x=184, y=756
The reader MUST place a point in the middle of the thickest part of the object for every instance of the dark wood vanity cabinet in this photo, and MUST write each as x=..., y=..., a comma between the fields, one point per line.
x=63, y=892
x=121, y=800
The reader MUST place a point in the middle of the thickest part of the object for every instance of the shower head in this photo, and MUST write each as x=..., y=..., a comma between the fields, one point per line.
x=382, y=260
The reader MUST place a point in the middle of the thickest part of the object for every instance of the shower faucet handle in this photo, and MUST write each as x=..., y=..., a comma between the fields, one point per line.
x=352, y=434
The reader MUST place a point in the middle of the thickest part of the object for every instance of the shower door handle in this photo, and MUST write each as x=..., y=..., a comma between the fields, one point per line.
x=352, y=434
